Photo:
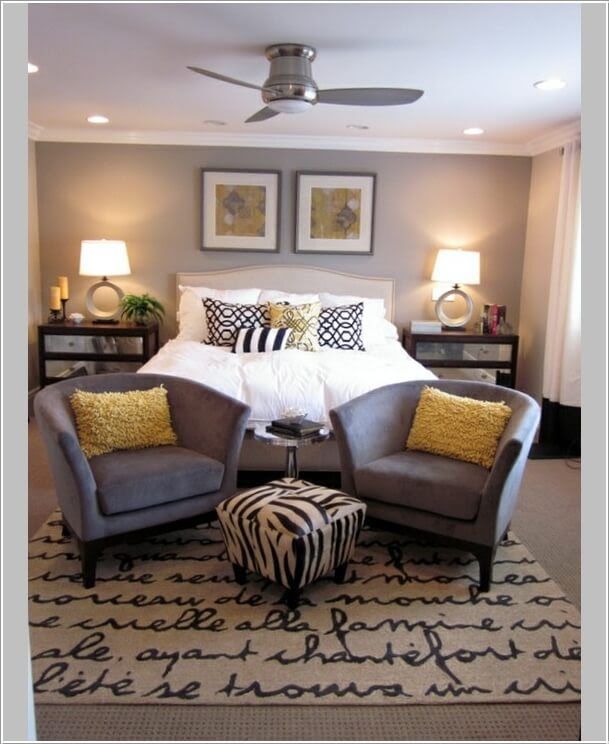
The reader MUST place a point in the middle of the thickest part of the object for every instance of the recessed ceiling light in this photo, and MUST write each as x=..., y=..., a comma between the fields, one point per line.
x=550, y=84
x=473, y=131
x=215, y=122
x=97, y=119
x=357, y=126
x=31, y=68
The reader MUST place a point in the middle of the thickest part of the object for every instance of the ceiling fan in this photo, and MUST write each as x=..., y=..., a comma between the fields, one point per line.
x=290, y=88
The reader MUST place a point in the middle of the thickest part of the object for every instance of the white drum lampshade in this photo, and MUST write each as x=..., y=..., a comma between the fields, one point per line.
x=454, y=266
x=103, y=258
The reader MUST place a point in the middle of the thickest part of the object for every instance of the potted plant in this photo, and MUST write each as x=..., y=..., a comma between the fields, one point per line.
x=141, y=309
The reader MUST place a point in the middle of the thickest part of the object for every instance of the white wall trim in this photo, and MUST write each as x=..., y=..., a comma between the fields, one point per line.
x=34, y=130
x=555, y=138
x=548, y=141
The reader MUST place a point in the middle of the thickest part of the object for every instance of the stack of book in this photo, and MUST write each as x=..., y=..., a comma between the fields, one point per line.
x=294, y=427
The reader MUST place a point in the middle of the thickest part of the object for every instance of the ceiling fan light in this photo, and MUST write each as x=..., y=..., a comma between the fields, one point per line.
x=289, y=105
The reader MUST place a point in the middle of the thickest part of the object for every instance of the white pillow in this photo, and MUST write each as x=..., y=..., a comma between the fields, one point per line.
x=374, y=328
x=275, y=295
x=192, y=319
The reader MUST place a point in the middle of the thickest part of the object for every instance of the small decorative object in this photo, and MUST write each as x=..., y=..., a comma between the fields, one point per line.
x=425, y=326
x=335, y=213
x=141, y=309
x=76, y=317
x=454, y=266
x=240, y=210
x=64, y=294
x=103, y=258
x=55, y=305
x=494, y=320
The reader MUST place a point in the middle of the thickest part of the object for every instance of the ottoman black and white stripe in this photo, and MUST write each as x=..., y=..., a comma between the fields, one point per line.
x=291, y=531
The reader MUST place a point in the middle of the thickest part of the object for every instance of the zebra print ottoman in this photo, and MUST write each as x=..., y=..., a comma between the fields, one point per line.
x=291, y=532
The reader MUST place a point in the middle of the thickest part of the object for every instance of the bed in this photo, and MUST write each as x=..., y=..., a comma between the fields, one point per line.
x=271, y=383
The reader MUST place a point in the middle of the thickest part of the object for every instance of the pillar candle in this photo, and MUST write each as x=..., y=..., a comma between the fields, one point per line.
x=63, y=287
x=55, y=301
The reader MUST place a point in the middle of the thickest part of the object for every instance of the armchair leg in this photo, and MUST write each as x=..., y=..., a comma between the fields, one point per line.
x=88, y=560
x=486, y=557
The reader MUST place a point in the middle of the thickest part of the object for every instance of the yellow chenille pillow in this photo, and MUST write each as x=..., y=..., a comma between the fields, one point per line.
x=119, y=421
x=302, y=319
x=458, y=427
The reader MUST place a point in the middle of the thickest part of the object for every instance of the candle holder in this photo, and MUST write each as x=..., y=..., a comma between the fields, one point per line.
x=55, y=316
x=63, y=309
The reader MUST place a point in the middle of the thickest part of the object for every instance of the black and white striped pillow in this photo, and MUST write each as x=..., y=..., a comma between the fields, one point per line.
x=261, y=339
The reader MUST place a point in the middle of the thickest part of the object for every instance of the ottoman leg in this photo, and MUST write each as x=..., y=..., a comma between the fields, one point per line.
x=291, y=598
x=240, y=573
x=340, y=573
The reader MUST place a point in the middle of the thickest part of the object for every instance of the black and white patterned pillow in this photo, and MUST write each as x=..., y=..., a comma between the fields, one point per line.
x=340, y=327
x=261, y=339
x=225, y=319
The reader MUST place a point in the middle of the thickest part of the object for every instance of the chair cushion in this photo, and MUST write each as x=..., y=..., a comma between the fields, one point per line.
x=127, y=481
x=418, y=480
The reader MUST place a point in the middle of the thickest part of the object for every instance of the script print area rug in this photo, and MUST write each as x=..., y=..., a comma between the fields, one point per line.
x=166, y=622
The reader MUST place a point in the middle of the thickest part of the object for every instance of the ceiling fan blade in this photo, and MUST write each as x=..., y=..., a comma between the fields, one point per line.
x=224, y=78
x=264, y=113
x=369, y=96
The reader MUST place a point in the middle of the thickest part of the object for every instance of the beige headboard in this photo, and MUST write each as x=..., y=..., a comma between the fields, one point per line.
x=293, y=279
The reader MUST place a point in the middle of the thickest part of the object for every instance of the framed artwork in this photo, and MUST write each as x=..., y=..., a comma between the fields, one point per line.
x=334, y=213
x=240, y=210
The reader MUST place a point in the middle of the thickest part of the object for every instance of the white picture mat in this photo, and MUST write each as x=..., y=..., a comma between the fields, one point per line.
x=212, y=179
x=304, y=241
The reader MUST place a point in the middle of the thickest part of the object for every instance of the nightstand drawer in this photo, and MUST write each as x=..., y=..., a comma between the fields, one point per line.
x=430, y=351
x=94, y=344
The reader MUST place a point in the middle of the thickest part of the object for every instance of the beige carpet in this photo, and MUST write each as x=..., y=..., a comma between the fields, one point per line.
x=167, y=622
x=547, y=521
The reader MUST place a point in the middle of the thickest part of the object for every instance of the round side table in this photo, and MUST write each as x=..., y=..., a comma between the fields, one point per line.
x=291, y=444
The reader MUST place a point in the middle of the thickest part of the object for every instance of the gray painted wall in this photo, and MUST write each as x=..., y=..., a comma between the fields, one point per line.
x=541, y=226
x=149, y=196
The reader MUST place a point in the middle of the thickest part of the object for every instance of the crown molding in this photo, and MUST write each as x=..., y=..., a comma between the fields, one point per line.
x=281, y=141
x=34, y=130
x=555, y=138
x=548, y=141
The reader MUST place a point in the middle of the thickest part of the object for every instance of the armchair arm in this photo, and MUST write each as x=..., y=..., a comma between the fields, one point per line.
x=371, y=426
x=74, y=482
x=209, y=422
x=502, y=487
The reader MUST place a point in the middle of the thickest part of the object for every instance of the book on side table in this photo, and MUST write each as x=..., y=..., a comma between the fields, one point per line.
x=294, y=427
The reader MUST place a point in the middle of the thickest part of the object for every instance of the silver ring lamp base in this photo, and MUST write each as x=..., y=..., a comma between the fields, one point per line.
x=103, y=316
x=448, y=321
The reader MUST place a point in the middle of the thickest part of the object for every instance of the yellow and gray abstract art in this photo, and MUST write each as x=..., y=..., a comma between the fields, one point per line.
x=241, y=210
x=335, y=213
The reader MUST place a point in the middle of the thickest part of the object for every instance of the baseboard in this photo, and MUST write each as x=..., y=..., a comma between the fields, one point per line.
x=30, y=402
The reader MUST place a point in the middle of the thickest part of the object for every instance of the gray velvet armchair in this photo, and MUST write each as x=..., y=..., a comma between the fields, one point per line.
x=457, y=502
x=133, y=491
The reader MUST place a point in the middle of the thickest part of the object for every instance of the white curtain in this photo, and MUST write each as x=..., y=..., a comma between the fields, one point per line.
x=562, y=360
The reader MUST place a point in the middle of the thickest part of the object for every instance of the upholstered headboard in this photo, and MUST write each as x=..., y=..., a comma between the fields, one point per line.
x=293, y=279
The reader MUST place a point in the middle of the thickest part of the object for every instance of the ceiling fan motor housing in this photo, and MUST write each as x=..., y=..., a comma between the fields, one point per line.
x=290, y=86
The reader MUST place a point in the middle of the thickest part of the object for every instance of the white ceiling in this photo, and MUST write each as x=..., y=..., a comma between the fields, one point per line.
x=476, y=63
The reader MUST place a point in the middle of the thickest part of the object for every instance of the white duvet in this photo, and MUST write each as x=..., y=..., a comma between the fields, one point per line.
x=273, y=382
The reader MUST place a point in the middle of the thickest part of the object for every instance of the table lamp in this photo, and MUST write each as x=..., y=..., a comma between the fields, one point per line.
x=103, y=258
x=454, y=266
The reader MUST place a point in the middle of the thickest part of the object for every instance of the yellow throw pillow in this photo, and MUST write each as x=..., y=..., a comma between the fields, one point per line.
x=120, y=421
x=302, y=319
x=458, y=427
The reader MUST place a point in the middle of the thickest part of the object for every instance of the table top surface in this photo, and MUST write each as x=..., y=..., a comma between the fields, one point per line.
x=262, y=435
